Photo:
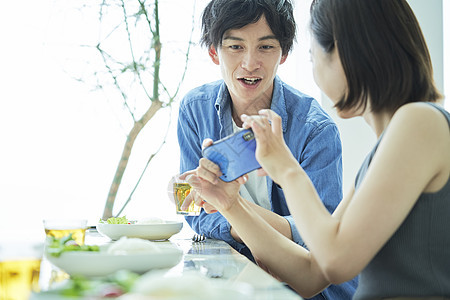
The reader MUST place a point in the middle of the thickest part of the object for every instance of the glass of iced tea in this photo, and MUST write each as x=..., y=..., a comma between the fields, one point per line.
x=180, y=191
x=59, y=228
x=20, y=264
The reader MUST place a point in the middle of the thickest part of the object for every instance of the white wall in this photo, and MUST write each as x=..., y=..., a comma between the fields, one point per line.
x=430, y=16
x=446, y=25
x=357, y=137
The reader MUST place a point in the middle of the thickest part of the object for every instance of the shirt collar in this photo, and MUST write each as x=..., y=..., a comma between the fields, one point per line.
x=223, y=109
x=278, y=104
x=223, y=98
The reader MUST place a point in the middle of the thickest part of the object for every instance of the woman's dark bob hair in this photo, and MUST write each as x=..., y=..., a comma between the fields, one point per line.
x=220, y=16
x=382, y=50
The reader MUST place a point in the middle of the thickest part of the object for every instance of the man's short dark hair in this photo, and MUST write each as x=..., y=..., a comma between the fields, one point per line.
x=222, y=15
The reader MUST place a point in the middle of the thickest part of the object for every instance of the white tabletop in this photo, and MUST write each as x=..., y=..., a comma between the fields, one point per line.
x=214, y=259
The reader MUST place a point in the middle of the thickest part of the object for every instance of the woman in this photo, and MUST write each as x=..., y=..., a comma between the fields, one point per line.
x=370, y=58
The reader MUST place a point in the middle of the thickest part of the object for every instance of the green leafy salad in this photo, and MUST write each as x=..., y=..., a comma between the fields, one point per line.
x=112, y=286
x=56, y=247
x=118, y=220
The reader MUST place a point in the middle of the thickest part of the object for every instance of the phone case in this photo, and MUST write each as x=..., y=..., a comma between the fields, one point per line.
x=235, y=154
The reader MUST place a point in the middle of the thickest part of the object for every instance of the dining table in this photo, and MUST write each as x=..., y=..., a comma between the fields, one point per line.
x=214, y=259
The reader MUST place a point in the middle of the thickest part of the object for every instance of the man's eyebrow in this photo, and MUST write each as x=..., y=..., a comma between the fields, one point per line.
x=268, y=37
x=234, y=38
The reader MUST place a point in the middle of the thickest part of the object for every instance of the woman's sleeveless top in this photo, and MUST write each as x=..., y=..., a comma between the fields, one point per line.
x=416, y=260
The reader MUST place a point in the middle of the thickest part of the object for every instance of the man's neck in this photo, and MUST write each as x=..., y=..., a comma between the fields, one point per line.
x=238, y=108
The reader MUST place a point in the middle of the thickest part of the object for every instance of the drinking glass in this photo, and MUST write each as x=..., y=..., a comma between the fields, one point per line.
x=178, y=191
x=59, y=228
x=20, y=264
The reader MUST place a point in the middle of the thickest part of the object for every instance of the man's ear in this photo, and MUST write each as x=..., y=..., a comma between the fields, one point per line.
x=283, y=59
x=213, y=54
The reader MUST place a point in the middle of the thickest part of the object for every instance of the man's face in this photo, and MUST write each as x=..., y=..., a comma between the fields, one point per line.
x=249, y=58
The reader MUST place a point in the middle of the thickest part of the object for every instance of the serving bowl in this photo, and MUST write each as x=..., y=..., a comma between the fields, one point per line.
x=157, y=231
x=102, y=263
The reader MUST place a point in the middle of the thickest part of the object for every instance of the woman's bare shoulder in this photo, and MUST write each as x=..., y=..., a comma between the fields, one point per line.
x=420, y=118
x=425, y=131
x=420, y=111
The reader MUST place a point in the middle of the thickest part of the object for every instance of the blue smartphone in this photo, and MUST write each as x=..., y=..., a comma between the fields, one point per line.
x=235, y=154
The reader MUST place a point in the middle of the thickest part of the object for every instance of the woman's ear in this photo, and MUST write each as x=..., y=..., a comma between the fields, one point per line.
x=213, y=54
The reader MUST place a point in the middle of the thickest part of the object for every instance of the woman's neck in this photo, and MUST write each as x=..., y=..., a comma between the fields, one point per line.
x=378, y=121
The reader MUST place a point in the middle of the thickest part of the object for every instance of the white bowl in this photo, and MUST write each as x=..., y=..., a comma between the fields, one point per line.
x=161, y=231
x=94, y=264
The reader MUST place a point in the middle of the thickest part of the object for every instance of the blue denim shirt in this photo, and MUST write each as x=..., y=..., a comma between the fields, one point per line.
x=311, y=135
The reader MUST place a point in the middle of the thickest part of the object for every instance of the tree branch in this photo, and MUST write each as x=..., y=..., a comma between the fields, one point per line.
x=126, y=152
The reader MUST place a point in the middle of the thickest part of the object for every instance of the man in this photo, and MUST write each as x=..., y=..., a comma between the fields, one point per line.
x=249, y=39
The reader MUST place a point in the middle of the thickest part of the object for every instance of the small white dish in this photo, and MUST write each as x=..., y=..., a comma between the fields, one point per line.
x=97, y=264
x=161, y=231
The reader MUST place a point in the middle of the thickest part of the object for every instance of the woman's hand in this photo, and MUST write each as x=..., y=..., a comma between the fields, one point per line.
x=271, y=150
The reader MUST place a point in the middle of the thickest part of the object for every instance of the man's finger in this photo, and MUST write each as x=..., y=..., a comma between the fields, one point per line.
x=207, y=143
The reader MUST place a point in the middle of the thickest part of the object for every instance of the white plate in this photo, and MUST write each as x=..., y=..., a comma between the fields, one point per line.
x=93, y=264
x=161, y=231
x=191, y=285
